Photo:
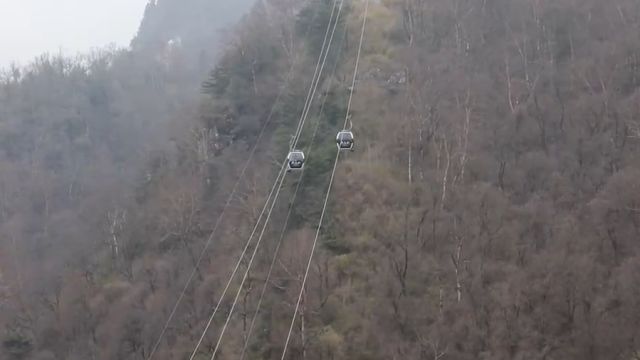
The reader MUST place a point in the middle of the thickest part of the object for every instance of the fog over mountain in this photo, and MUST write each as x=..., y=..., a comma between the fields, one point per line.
x=328, y=180
x=32, y=27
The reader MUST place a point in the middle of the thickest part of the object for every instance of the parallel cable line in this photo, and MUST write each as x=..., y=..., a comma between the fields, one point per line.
x=315, y=75
x=305, y=113
x=281, y=173
x=292, y=202
x=326, y=199
x=230, y=198
x=270, y=272
x=221, y=216
x=246, y=274
x=281, y=238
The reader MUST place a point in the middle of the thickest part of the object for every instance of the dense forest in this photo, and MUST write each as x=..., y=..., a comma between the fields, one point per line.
x=489, y=210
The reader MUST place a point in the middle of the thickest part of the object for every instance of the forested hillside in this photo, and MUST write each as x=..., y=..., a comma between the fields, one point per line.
x=490, y=209
x=79, y=139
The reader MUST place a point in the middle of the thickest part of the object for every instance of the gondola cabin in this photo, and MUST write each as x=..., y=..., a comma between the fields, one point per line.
x=295, y=160
x=345, y=140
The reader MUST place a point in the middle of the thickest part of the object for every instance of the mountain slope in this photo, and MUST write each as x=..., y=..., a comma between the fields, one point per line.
x=79, y=139
x=488, y=212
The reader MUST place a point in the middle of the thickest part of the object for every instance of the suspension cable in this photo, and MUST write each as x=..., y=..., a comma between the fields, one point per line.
x=326, y=199
x=283, y=231
x=288, y=78
x=246, y=274
x=355, y=72
x=292, y=202
x=270, y=272
x=305, y=113
x=230, y=198
x=315, y=74
x=281, y=173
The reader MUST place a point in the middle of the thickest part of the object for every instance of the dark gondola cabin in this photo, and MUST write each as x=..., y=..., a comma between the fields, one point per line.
x=345, y=140
x=295, y=160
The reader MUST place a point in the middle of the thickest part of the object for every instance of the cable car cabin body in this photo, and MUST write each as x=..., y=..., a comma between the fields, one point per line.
x=345, y=140
x=295, y=160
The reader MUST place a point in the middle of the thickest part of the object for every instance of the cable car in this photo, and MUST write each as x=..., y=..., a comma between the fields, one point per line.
x=295, y=160
x=345, y=140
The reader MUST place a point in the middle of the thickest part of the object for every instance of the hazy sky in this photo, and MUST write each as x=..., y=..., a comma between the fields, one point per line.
x=31, y=27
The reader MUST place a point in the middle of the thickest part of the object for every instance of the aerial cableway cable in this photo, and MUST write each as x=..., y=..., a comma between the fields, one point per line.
x=308, y=104
x=314, y=88
x=230, y=198
x=232, y=194
x=319, y=69
x=280, y=174
x=246, y=273
x=270, y=272
x=284, y=227
x=326, y=199
x=279, y=179
x=313, y=79
x=296, y=157
x=292, y=203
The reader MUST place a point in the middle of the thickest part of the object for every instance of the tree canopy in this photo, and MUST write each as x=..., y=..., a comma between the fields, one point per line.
x=490, y=210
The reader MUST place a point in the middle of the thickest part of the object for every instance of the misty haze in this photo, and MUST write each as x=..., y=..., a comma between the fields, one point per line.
x=319, y=179
x=32, y=27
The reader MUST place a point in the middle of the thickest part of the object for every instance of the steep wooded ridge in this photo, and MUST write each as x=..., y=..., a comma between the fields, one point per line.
x=491, y=209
